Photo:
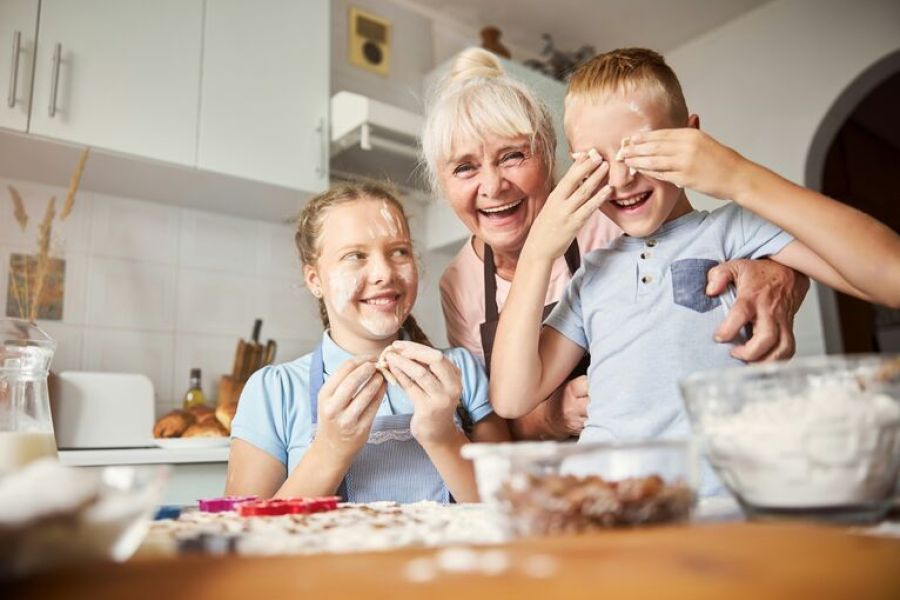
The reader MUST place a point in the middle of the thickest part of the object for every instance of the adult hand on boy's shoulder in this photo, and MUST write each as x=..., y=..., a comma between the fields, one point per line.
x=768, y=297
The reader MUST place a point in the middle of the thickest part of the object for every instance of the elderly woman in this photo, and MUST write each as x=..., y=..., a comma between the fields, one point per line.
x=488, y=146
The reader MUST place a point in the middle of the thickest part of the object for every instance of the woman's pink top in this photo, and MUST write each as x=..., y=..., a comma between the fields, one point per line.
x=462, y=284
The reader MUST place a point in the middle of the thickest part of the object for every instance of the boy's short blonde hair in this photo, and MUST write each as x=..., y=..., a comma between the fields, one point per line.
x=626, y=71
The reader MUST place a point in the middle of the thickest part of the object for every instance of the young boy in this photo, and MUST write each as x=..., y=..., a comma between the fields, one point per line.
x=639, y=307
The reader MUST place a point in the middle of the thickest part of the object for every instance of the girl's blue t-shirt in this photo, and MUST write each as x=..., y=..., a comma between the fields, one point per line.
x=274, y=411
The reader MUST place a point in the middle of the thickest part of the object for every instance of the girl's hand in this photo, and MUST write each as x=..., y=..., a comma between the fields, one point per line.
x=574, y=199
x=434, y=385
x=688, y=158
x=348, y=403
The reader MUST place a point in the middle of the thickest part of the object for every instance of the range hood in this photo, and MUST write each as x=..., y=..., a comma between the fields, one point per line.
x=373, y=139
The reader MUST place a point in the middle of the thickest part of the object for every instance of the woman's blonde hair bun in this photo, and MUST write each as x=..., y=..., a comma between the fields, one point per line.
x=475, y=62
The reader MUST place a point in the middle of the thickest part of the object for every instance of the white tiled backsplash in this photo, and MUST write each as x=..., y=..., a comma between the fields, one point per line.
x=158, y=289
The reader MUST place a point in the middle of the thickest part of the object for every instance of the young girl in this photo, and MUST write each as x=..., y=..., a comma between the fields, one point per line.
x=329, y=421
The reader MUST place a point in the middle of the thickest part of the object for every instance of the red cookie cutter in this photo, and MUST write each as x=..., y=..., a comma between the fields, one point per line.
x=287, y=506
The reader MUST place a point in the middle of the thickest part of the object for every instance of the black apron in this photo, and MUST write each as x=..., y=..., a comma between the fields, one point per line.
x=492, y=314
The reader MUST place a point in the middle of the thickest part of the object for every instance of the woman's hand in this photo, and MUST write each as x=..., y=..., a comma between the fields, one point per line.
x=574, y=199
x=434, y=385
x=348, y=403
x=569, y=408
x=768, y=296
x=688, y=158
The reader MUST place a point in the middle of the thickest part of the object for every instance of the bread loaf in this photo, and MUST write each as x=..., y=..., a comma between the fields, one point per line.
x=208, y=429
x=225, y=413
x=173, y=424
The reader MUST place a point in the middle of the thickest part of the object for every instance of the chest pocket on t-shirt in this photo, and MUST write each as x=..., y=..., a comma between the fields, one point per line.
x=689, y=283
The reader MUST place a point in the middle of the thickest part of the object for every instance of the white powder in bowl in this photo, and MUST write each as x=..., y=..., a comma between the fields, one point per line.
x=829, y=447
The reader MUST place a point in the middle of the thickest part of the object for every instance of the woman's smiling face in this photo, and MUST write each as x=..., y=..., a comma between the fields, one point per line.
x=496, y=187
x=365, y=271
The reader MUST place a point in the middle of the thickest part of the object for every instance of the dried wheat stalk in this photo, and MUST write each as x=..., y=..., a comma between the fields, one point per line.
x=74, y=182
x=19, y=212
x=43, y=262
x=20, y=295
x=29, y=300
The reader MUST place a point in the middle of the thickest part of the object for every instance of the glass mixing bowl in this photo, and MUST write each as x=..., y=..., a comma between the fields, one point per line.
x=52, y=515
x=814, y=438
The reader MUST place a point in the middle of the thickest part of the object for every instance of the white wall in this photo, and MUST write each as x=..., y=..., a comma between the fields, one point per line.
x=157, y=289
x=422, y=39
x=763, y=83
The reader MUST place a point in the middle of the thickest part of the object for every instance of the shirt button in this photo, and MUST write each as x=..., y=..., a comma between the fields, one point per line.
x=645, y=255
x=647, y=279
x=651, y=243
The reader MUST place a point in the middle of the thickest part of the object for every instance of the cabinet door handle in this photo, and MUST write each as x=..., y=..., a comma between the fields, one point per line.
x=14, y=69
x=323, y=157
x=54, y=81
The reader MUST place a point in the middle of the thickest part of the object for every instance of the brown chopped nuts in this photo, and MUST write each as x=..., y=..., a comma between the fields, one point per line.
x=549, y=504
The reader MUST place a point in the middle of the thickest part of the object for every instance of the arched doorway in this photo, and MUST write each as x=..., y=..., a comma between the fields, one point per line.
x=855, y=158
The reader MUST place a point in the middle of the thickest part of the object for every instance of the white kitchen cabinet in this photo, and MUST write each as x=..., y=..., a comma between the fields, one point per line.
x=265, y=91
x=18, y=30
x=121, y=75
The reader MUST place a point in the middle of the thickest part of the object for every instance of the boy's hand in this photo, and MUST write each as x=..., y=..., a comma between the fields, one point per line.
x=575, y=198
x=768, y=296
x=688, y=158
x=434, y=385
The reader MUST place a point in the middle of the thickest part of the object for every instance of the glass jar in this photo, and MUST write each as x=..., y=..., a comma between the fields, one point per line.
x=26, y=429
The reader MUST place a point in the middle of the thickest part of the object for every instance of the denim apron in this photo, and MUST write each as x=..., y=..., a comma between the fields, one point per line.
x=392, y=465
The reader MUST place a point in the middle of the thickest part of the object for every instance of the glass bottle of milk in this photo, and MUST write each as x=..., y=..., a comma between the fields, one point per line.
x=26, y=429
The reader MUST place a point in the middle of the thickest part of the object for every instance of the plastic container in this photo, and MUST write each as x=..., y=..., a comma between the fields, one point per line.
x=494, y=462
x=566, y=487
x=814, y=438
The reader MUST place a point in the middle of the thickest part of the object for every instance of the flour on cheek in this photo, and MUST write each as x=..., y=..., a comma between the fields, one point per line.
x=344, y=287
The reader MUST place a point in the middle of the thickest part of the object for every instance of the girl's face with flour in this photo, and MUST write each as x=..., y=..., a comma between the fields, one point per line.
x=365, y=271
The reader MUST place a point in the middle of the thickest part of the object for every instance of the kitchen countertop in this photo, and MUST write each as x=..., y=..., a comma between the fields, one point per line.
x=719, y=560
x=141, y=456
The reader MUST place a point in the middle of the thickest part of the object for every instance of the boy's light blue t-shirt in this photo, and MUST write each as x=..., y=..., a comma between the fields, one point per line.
x=273, y=413
x=640, y=308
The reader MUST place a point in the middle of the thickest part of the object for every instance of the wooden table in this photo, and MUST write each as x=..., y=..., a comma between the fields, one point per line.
x=727, y=560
